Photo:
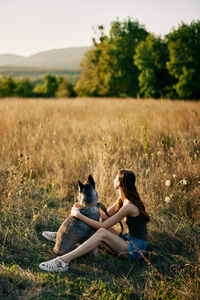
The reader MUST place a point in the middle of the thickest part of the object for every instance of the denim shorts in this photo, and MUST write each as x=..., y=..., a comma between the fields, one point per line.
x=132, y=251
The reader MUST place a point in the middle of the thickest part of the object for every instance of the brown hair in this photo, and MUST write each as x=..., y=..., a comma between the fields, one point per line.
x=127, y=183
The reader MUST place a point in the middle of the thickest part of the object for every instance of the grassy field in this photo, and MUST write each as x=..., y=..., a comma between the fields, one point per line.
x=47, y=145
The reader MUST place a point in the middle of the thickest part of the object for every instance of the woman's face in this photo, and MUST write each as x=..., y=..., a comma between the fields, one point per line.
x=116, y=182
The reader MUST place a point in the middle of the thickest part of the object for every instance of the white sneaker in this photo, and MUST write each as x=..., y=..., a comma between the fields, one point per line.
x=49, y=235
x=54, y=265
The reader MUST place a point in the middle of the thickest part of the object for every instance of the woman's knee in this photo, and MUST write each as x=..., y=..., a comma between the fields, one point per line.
x=102, y=232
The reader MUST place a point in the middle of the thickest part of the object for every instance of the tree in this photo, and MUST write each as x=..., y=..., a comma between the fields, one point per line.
x=24, y=88
x=126, y=36
x=88, y=83
x=50, y=86
x=150, y=58
x=7, y=86
x=38, y=90
x=184, y=61
x=108, y=68
x=65, y=88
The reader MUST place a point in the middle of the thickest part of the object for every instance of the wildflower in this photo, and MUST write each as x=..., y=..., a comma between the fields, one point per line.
x=20, y=192
x=167, y=182
x=35, y=217
x=167, y=199
x=174, y=176
x=184, y=182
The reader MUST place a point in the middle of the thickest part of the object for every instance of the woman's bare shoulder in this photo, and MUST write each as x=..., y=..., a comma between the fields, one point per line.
x=132, y=209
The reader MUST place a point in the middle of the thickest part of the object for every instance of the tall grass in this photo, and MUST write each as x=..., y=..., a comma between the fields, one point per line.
x=47, y=145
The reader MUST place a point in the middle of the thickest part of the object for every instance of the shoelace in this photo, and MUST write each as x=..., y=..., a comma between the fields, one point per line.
x=52, y=264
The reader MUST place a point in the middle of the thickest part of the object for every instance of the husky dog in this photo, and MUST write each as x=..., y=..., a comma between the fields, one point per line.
x=73, y=231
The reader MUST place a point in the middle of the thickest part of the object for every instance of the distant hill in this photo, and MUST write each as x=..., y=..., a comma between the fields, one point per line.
x=67, y=58
x=9, y=59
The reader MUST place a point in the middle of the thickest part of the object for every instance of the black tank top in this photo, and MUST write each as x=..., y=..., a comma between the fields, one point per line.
x=137, y=227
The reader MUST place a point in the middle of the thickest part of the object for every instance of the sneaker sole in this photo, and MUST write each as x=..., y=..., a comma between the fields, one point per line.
x=52, y=270
x=48, y=238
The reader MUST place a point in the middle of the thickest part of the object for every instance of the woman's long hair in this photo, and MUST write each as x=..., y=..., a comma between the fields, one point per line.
x=127, y=183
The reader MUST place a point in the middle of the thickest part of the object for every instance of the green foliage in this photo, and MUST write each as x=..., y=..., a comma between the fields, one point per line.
x=98, y=71
x=7, y=86
x=150, y=58
x=128, y=61
x=108, y=68
x=51, y=86
x=24, y=88
x=62, y=90
x=38, y=90
x=126, y=36
x=65, y=88
x=184, y=63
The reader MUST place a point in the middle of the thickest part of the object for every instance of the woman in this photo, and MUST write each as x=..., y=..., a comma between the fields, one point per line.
x=129, y=205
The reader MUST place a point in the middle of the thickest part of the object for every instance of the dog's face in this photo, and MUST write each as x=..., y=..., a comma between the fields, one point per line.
x=87, y=193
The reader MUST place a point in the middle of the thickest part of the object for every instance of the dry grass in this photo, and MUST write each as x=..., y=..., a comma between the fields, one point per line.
x=46, y=145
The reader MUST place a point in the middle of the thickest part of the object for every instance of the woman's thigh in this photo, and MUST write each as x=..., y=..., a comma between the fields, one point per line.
x=116, y=243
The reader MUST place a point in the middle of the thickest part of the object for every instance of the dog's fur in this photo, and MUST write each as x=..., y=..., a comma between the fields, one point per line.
x=73, y=231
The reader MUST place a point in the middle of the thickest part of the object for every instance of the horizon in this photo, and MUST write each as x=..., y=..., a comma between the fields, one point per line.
x=43, y=51
x=34, y=26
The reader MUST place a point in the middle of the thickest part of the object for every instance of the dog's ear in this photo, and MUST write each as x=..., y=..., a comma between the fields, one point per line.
x=91, y=181
x=80, y=185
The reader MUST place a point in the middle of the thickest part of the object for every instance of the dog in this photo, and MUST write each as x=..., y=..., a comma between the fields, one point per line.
x=73, y=231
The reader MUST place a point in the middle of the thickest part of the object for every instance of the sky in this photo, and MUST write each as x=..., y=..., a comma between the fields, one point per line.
x=31, y=26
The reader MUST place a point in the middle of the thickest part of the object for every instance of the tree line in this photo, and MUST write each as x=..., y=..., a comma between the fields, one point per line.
x=131, y=62
x=128, y=62
x=52, y=86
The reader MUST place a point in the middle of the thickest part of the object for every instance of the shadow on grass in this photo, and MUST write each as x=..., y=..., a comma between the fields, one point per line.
x=103, y=274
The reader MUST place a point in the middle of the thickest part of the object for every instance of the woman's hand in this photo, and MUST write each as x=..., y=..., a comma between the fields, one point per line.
x=75, y=212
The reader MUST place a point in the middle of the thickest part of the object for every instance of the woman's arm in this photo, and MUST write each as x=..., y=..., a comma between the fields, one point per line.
x=123, y=212
x=110, y=211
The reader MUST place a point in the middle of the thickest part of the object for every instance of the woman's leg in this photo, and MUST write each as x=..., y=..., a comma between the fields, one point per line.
x=116, y=243
x=113, y=230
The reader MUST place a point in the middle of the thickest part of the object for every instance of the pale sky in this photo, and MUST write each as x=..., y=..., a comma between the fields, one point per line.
x=31, y=26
